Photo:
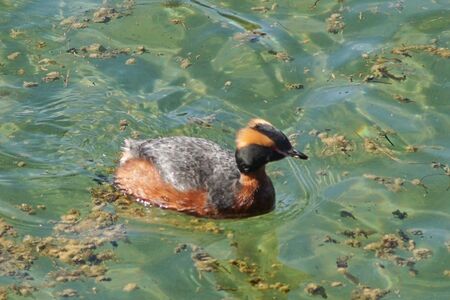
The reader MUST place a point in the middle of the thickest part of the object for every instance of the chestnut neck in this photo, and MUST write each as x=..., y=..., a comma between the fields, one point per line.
x=258, y=175
x=255, y=195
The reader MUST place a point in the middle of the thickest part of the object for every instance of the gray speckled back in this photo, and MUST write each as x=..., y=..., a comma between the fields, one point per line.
x=190, y=163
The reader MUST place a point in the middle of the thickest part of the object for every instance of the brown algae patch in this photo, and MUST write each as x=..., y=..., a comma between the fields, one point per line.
x=293, y=86
x=73, y=23
x=16, y=33
x=402, y=99
x=367, y=293
x=260, y=9
x=129, y=287
x=185, y=63
x=244, y=266
x=178, y=21
x=335, y=23
x=257, y=278
x=384, y=67
x=27, y=208
x=281, y=55
x=432, y=49
x=381, y=68
x=123, y=124
x=100, y=15
x=203, y=261
x=388, y=244
x=105, y=14
x=23, y=289
x=336, y=284
x=3, y=293
x=315, y=289
x=395, y=184
x=354, y=243
x=260, y=284
x=66, y=293
x=375, y=147
x=15, y=256
x=335, y=144
x=98, y=51
x=30, y=84
x=13, y=56
x=422, y=253
x=6, y=229
x=249, y=36
x=205, y=226
x=77, y=241
x=52, y=76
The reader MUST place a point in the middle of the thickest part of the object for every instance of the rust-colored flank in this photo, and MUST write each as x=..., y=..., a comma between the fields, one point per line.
x=140, y=178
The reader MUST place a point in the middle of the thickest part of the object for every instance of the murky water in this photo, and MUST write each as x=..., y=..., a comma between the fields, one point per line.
x=362, y=86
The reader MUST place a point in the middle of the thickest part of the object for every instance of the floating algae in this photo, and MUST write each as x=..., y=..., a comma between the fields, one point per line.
x=293, y=86
x=25, y=207
x=203, y=261
x=315, y=289
x=386, y=248
x=178, y=21
x=52, y=76
x=402, y=99
x=185, y=63
x=335, y=23
x=129, y=287
x=335, y=144
x=77, y=241
x=258, y=279
x=432, y=49
x=30, y=84
x=382, y=69
x=66, y=293
x=395, y=185
x=281, y=55
x=367, y=293
x=400, y=215
x=13, y=56
x=105, y=14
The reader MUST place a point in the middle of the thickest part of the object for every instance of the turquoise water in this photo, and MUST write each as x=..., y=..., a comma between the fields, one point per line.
x=58, y=138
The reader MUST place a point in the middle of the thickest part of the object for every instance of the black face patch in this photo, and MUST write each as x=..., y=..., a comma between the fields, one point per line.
x=281, y=140
x=250, y=158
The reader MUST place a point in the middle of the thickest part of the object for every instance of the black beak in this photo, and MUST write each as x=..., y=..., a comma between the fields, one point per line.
x=297, y=154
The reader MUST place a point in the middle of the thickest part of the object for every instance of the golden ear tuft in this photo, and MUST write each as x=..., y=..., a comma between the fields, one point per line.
x=248, y=136
x=254, y=122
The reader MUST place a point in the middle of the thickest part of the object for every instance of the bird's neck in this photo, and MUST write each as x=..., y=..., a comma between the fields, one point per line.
x=253, y=179
x=255, y=194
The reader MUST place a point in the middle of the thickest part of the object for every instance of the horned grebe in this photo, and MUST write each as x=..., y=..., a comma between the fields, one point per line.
x=197, y=176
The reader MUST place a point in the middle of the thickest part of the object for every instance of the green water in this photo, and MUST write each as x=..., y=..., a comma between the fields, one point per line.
x=56, y=138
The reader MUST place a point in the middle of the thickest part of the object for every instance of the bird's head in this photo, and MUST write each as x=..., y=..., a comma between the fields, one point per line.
x=259, y=143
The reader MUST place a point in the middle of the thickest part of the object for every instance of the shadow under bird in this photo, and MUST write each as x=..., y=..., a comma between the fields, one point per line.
x=198, y=177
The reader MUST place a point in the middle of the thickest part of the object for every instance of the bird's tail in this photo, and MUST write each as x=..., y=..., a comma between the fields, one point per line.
x=130, y=150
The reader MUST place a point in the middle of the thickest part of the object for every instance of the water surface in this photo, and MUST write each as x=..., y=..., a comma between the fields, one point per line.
x=208, y=67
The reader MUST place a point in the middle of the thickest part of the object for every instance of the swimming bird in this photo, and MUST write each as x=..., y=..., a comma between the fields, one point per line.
x=198, y=177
